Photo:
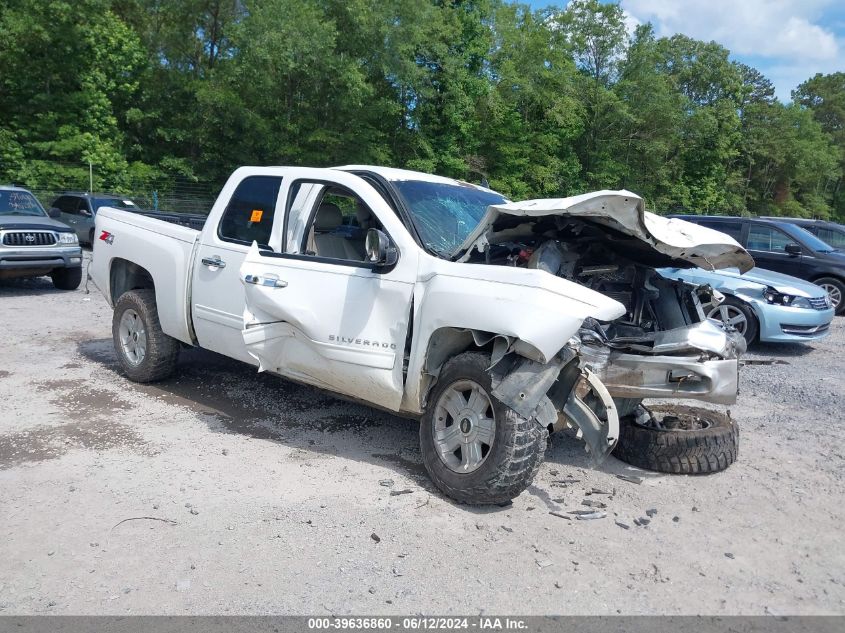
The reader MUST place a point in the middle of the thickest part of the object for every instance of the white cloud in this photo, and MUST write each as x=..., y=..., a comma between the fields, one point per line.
x=788, y=35
x=749, y=27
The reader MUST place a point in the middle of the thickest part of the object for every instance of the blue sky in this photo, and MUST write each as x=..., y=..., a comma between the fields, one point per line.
x=787, y=40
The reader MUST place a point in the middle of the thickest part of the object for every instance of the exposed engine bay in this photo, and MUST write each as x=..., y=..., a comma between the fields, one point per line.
x=662, y=347
x=596, y=258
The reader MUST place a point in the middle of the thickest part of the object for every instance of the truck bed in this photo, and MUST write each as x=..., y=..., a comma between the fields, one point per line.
x=162, y=245
x=191, y=220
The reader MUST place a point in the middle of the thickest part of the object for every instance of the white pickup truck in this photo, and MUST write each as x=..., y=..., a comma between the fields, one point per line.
x=492, y=322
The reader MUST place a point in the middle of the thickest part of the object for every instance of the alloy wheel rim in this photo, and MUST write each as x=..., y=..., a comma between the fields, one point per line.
x=730, y=315
x=133, y=337
x=464, y=426
x=834, y=292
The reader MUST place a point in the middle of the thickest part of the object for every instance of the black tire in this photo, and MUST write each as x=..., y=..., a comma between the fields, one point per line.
x=511, y=462
x=91, y=238
x=753, y=326
x=836, y=283
x=689, y=452
x=162, y=351
x=66, y=278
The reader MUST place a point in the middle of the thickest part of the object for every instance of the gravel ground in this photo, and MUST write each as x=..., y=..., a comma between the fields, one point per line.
x=226, y=492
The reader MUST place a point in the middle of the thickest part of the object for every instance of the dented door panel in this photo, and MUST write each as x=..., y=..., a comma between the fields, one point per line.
x=336, y=326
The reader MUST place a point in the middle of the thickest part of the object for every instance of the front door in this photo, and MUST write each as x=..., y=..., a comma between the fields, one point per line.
x=318, y=312
x=218, y=294
x=767, y=245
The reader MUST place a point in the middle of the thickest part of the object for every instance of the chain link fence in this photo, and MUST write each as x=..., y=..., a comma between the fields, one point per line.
x=174, y=194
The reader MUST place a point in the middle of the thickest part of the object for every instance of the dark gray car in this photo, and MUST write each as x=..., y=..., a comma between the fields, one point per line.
x=33, y=244
x=78, y=210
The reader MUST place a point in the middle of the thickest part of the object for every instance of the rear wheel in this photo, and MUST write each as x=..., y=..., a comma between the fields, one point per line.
x=836, y=290
x=476, y=449
x=91, y=238
x=66, y=278
x=738, y=315
x=145, y=352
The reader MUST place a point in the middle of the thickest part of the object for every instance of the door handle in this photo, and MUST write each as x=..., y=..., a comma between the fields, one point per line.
x=215, y=262
x=269, y=282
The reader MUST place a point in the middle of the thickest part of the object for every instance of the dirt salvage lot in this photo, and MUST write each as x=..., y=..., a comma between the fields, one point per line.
x=222, y=491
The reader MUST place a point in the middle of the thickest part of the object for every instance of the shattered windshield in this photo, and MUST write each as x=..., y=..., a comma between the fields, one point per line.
x=445, y=214
x=20, y=203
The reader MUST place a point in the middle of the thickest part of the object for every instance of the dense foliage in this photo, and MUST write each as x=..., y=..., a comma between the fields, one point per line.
x=543, y=103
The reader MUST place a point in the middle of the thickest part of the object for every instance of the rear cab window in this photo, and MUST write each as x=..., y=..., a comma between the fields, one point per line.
x=249, y=215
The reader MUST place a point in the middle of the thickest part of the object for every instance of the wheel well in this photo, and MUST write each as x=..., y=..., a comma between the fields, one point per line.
x=125, y=276
x=836, y=277
x=448, y=342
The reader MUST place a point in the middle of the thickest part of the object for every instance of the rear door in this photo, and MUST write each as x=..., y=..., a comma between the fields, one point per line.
x=317, y=311
x=217, y=292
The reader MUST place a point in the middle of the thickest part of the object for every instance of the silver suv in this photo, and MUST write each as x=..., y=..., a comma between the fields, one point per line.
x=33, y=244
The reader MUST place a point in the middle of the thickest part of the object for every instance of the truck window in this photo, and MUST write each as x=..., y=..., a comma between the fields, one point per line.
x=67, y=204
x=249, y=215
x=338, y=227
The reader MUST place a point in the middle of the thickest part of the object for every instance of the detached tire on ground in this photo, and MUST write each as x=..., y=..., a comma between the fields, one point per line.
x=66, y=278
x=692, y=441
x=146, y=354
x=476, y=449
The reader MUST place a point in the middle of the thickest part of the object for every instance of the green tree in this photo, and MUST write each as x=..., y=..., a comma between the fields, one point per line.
x=824, y=96
x=68, y=74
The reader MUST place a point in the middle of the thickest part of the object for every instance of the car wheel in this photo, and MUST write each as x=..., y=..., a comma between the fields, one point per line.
x=66, y=278
x=476, y=449
x=836, y=290
x=91, y=238
x=738, y=315
x=145, y=352
x=678, y=439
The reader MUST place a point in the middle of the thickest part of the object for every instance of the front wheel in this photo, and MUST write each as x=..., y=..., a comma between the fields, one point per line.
x=736, y=314
x=145, y=352
x=836, y=290
x=66, y=278
x=476, y=449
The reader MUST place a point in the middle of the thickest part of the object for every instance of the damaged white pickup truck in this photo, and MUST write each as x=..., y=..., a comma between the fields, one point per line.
x=493, y=322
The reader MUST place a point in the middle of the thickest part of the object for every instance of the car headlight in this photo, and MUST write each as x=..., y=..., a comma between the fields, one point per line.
x=774, y=297
x=68, y=238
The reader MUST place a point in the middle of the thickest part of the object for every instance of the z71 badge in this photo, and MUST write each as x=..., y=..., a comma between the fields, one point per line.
x=107, y=237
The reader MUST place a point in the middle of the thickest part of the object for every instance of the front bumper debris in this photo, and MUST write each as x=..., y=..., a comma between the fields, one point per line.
x=636, y=376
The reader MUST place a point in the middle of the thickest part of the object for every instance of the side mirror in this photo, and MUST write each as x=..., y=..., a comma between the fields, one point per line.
x=792, y=249
x=54, y=212
x=380, y=250
x=85, y=213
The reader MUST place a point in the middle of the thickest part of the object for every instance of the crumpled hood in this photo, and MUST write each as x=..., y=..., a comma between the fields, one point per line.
x=31, y=223
x=675, y=242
